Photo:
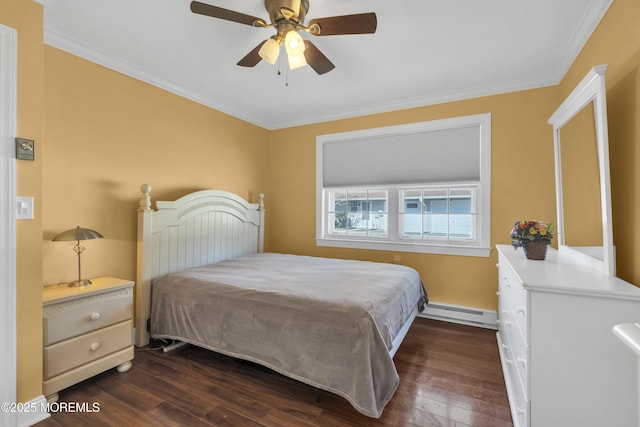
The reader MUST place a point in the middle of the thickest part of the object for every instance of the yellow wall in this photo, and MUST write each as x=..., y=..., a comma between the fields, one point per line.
x=104, y=134
x=26, y=18
x=616, y=42
x=582, y=205
x=522, y=186
x=522, y=166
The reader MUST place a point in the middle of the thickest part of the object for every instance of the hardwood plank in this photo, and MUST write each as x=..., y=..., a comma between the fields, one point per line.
x=450, y=375
x=162, y=390
x=222, y=417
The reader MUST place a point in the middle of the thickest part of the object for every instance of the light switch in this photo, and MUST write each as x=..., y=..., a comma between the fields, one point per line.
x=24, y=207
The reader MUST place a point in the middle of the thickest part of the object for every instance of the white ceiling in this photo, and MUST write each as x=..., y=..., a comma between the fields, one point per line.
x=424, y=52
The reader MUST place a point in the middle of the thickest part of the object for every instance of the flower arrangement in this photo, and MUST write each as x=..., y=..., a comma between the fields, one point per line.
x=531, y=231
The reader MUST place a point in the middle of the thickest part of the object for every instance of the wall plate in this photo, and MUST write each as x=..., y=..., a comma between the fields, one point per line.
x=24, y=207
x=25, y=149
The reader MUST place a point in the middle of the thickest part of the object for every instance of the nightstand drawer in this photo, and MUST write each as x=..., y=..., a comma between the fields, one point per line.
x=77, y=317
x=75, y=352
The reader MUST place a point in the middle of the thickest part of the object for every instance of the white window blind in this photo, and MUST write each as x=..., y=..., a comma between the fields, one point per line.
x=428, y=156
x=447, y=156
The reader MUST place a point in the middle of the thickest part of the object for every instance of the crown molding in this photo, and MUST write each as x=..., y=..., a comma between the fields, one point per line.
x=78, y=48
x=84, y=51
x=580, y=37
x=573, y=48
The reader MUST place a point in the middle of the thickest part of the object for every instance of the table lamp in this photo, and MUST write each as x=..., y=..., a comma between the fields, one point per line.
x=78, y=234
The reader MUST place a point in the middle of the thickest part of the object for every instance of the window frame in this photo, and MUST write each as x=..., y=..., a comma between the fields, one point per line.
x=481, y=247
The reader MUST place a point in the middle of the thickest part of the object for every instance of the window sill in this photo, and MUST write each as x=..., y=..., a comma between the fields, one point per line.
x=461, y=250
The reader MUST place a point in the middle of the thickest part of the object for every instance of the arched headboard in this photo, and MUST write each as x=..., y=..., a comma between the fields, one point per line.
x=198, y=229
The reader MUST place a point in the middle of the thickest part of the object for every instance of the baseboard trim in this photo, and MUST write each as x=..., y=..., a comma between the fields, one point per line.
x=460, y=314
x=36, y=413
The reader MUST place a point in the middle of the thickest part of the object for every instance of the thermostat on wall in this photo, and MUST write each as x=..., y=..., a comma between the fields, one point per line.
x=25, y=149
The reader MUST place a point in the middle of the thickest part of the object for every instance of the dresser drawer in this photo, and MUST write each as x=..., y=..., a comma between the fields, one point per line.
x=520, y=353
x=66, y=355
x=78, y=317
x=514, y=296
x=515, y=318
x=507, y=324
x=517, y=398
x=520, y=316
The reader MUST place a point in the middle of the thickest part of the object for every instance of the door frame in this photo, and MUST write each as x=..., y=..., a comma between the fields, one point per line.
x=8, y=89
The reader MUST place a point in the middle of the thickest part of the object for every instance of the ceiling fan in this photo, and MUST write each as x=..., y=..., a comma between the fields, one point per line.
x=287, y=17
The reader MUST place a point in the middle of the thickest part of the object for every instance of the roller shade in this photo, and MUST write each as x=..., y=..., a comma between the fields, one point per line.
x=421, y=157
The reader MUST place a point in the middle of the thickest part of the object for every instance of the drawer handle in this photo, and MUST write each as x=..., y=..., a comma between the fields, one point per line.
x=95, y=316
x=520, y=411
x=521, y=310
x=508, y=361
x=498, y=293
x=94, y=346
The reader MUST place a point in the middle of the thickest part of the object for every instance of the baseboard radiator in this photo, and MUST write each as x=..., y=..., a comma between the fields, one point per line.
x=459, y=314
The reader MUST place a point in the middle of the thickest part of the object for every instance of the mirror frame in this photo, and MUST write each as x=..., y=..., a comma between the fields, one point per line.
x=591, y=89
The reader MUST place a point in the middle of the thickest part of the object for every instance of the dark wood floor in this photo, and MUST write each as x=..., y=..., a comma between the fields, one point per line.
x=450, y=375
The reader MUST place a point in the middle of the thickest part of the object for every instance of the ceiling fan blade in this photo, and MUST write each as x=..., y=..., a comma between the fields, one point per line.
x=252, y=58
x=362, y=23
x=316, y=59
x=227, y=15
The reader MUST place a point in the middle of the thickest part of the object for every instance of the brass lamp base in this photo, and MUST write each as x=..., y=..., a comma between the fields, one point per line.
x=78, y=283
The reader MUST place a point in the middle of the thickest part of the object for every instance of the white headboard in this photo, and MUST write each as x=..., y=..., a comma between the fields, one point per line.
x=198, y=229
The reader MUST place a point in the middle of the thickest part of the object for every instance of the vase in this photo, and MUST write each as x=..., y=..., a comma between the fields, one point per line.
x=535, y=250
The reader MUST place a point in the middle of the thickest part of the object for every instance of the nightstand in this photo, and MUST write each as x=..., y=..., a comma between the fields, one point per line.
x=86, y=330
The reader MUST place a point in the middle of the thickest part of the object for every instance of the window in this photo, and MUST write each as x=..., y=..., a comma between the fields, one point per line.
x=438, y=214
x=422, y=187
x=357, y=212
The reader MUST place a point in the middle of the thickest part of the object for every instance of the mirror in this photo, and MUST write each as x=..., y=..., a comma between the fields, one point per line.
x=583, y=194
x=581, y=174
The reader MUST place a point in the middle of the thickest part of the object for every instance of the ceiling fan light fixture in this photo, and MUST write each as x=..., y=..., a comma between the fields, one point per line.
x=287, y=17
x=294, y=43
x=270, y=51
x=296, y=61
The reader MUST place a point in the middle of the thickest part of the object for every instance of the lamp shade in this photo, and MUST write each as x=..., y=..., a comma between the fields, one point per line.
x=78, y=234
x=270, y=51
x=294, y=43
x=297, y=61
x=295, y=47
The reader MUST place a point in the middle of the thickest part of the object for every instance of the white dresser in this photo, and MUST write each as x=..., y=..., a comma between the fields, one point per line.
x=87, y=330
x=562, y=364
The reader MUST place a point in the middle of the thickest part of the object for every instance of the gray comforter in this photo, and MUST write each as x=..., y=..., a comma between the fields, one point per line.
x=326, y=322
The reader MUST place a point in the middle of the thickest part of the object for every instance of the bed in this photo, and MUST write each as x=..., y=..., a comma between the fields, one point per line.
x=204, y=279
